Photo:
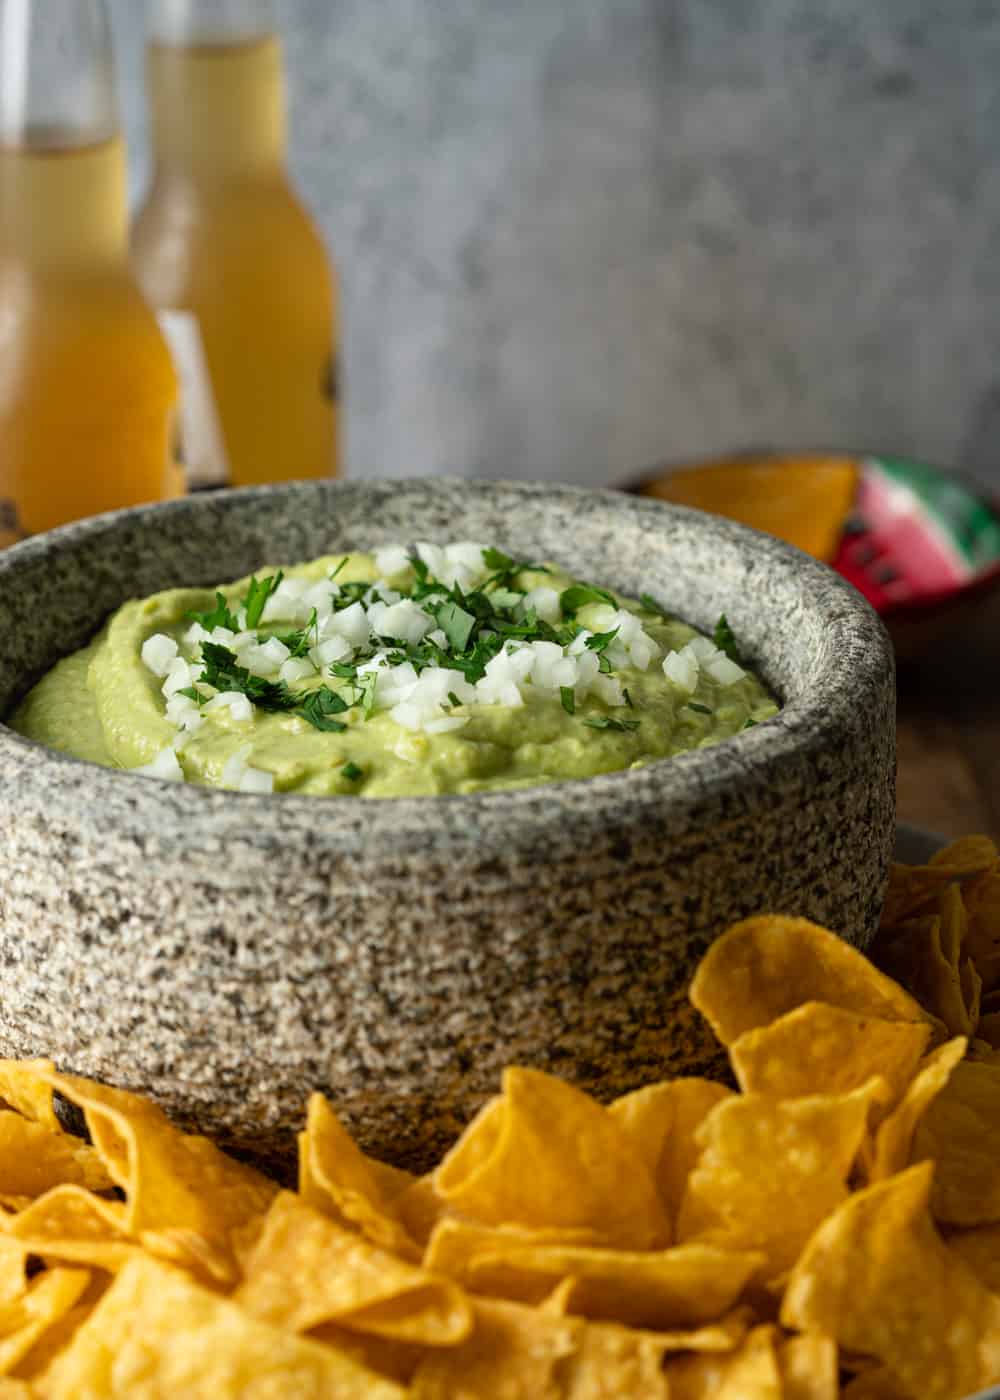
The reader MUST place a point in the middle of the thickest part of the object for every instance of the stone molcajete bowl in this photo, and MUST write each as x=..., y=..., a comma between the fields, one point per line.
x=229, y=953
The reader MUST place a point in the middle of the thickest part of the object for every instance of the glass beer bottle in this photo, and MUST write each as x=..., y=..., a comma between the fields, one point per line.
x=87, y=387
x=227, y=254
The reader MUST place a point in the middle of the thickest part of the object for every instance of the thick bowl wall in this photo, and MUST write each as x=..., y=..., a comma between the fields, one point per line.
x=230, y=953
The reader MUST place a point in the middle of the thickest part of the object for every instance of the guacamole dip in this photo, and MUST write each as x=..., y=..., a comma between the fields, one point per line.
x=416, y=671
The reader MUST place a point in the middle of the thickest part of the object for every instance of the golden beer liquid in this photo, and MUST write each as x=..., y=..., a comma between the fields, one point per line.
x=87, y=387
x=223, y=236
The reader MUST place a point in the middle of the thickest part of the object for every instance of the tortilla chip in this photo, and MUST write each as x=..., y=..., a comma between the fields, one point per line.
x=960, y=1129
x=934, y=979
x=510, y=1166
x=172, y=1181
x=877, y=1277
x=981, y=898
x=69, y=1223
x=981, y=1251
x=511, y=1351
x=23, y=1090
x=614, y=1361
x=683, y=1287
x=419, y=1208
x=33, y=1158
x=752, y=1372
x=808, y=1366
x=772, y=1170
x=875, y=1384
x=24, y=1320
x=157, y=1332
x=307, y=1270
x=894, y=1139
x=336, y=1177
x=660, y=1121
x=969, y=855
x=989, y=1029
x=820, y=1049
x=766, y=966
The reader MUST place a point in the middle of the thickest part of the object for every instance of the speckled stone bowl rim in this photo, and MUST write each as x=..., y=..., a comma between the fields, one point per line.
x=756, y=758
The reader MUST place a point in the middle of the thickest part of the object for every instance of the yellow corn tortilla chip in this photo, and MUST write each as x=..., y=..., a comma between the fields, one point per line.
x=71, y=1224
x=751, y=1372
x=981, y=898
x=911, y=887
x=336, y=1177
x=989, y=1029
x=960, y=1130
x=969, y=855
x=683, y=1287
x=820, y=1049
x=876, y=1384
x=24, y=1320
x=172, y=1180
x=510, y=1166
x=877, y=1277
x=511, y=1351
x=419, y=1208
x=934, y=980
x=23, y=1090
x=808, y=1366
x=306, y=1270
x=660, y=1121
x=980, y=1249
x=771, y=1170
x=34, y=1158
x=158, y=1333
x=764, y=967
x=894, y=1138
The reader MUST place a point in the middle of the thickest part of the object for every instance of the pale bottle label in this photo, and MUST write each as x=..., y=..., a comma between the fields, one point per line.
x=202, y=446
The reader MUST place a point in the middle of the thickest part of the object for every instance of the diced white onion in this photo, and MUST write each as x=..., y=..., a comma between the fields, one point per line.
x=164, y=765
x=238, y=704
x=158, y=652
x=681, y=667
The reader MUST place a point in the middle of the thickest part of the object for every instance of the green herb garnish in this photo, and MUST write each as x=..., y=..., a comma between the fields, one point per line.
x=257, y=595
x=298, y=643
x=578, y=595
x=456, y=624
x=340, y=567
x=628, y=698
x=219, y=616
x=651, y=605
x=193, y=693
x=601, y=640
x=750, y=724
x=624, y=726
x=453, y=700
x=345, y=670
x=568, y=697
x=724, y=639
x=352, y=772
x=320, y=706
x=693, y=705
x=222, y=670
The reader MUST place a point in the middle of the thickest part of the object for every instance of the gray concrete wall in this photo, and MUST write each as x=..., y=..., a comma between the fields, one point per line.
x=579, y=236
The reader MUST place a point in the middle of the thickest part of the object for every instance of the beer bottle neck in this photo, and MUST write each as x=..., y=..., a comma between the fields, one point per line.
x=218, y=107
x=62, y=163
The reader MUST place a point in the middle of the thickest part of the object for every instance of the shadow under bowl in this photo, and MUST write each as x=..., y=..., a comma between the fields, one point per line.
x=230, y=953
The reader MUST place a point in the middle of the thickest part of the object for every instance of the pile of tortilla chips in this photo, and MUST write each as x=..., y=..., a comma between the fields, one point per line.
x=831, y=1229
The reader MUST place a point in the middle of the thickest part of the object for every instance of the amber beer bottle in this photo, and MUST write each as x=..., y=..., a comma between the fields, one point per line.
x=87, y=388
x=227, y=254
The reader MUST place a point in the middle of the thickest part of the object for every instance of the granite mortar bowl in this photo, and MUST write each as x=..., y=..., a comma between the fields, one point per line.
x=229, y=953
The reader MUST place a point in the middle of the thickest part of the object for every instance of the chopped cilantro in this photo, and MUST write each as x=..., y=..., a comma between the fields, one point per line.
x=320, y=706
x=340, y=567
x=257, y=595
x=693, y=705
x=499, y=562
x=578, y=595
x=603, y=664
x=506, y=598
x=219, y=616
x=601, y=640
x=568, y=697
x=346, y=670
x=193, y=693
x=419, y=568
x=750, y=724
x=456, y=624
x=352, y=772
x=298, y=643
x=453, y=700
x=222, y=670
x=364, y=693
x=651, y=605
x=623, y=726
x=628, y=698
x=724, y=639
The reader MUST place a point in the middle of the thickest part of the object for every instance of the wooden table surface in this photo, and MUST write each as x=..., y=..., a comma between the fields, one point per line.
x=949, y=728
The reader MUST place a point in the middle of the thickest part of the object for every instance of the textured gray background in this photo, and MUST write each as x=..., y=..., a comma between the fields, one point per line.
x=579, y=236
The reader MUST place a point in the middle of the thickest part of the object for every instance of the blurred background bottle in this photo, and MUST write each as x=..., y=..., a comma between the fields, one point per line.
x=227, y=254
x=87, y=388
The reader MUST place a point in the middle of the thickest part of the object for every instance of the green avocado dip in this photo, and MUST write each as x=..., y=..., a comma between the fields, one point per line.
x=407, y=672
